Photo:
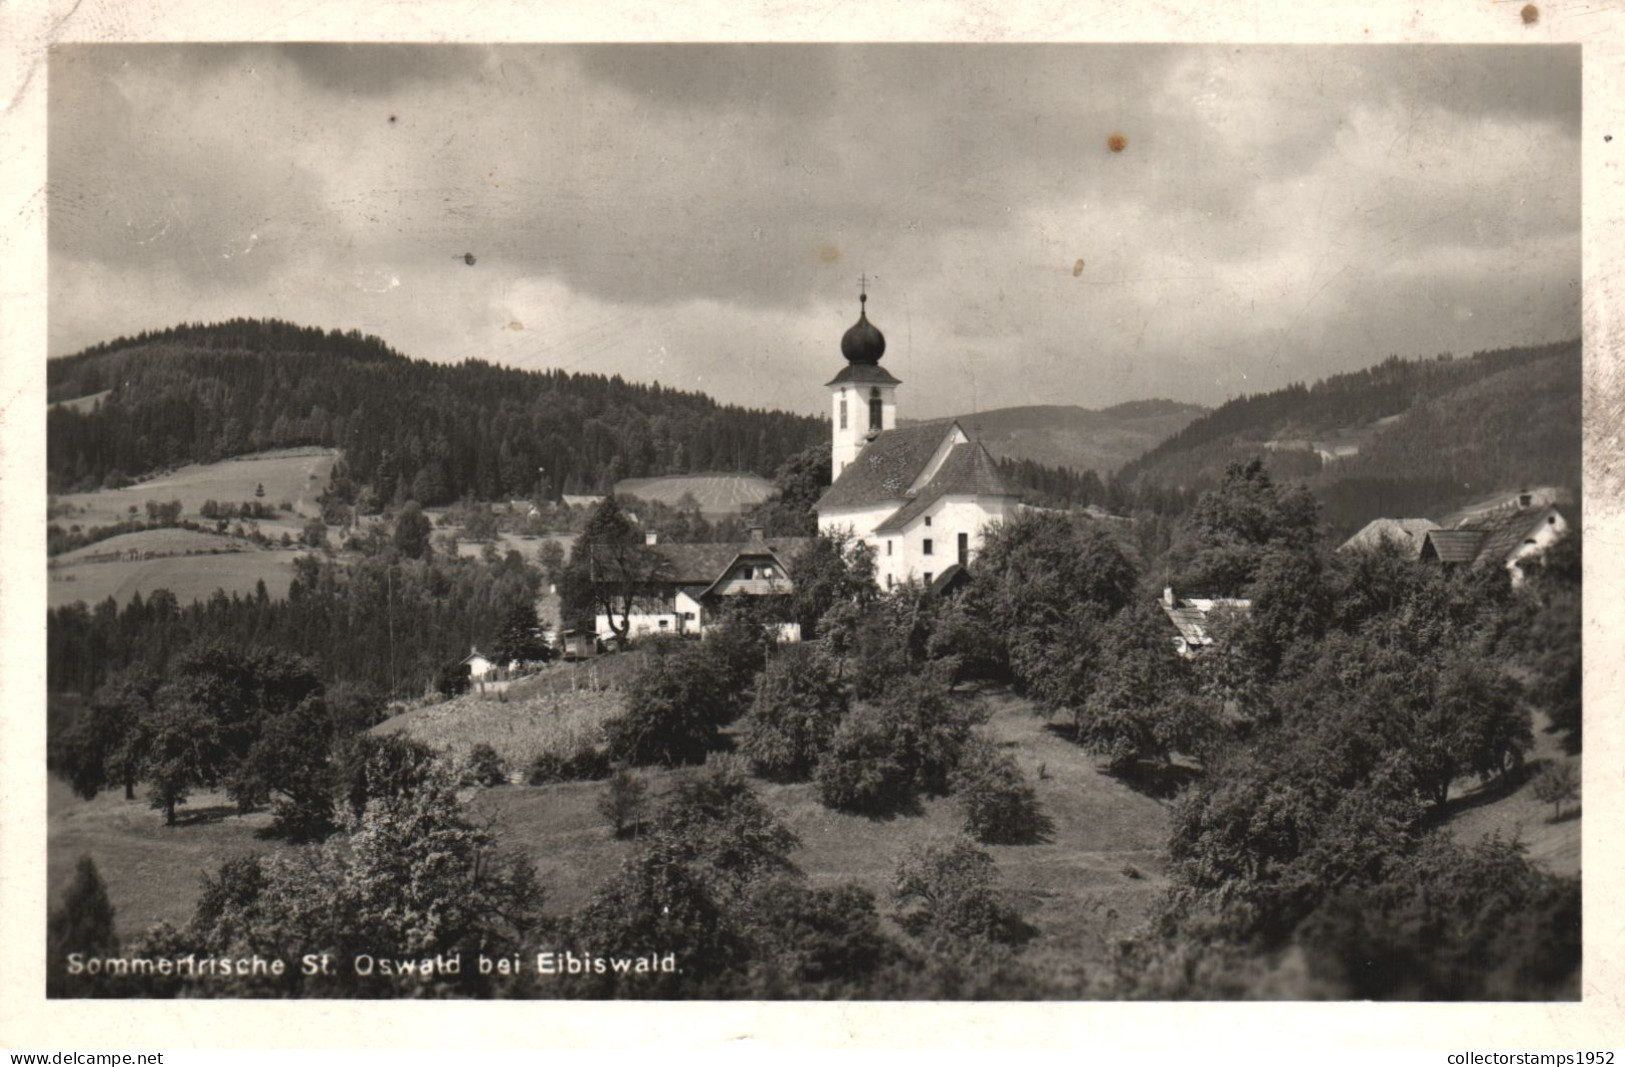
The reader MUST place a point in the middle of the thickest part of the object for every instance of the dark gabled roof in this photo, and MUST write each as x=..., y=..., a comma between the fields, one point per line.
x=1504, y=534
x=1408, y=534
x=968, y=471
x=886, y=467
x=954, y=575
x=697, y=564
x=863, y=374
x=700, y=565
x=1454, y=546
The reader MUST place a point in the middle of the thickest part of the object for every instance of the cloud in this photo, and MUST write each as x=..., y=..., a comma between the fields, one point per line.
x=700, y=213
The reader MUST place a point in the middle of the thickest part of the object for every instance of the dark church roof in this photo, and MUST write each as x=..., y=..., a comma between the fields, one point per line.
x=968, y=471
x=863, y=374
x=863, y=343
x=887, y=466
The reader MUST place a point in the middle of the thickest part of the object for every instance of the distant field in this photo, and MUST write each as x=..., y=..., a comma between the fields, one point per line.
x=523, y=722
x=172, y=541
x=297, y=475
x=528, y=547
x=84, y=403
x=190, y=578
x=718, y=495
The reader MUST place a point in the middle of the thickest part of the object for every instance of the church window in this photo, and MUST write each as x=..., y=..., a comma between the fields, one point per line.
x=874, y=409
x=888, y=581
x=843, y=413
x=928, y=577
x=888, y=548
x=928, y=520
x=926, y=547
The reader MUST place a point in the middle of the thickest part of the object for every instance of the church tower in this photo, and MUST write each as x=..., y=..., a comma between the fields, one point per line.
x=863, y=397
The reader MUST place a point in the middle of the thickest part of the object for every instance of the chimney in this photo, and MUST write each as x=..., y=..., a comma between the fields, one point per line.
x=651, y=538
x=1525, y=499
x=1168, y=596
x=756, y=537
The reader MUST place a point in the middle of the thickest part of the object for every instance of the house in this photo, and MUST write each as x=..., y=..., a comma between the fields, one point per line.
x=1500, y=538
x=580, y=500
x=578, y=644
x=479, y=665
x=700, y=580
x=921, y=496
x=1194, y=618
x=1406, y=534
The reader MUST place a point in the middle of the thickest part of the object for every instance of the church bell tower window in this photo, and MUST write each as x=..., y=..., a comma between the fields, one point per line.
x=874, y=409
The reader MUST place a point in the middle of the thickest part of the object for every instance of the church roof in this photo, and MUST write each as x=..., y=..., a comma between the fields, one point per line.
x=863, y=374
x=887, y=466
x=968, y=471
x=863, y=343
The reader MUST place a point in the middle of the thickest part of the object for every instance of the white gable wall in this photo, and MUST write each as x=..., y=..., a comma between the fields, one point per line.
x=951, y=516
x=1545, y=532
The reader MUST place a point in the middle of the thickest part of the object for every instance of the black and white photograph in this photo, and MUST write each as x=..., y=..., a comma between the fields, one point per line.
x=882, y=522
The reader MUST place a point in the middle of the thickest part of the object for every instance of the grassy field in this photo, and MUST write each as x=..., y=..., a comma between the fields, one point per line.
x=189, y=577
x=1091, y=880
x=85, y=404
x=1510, y=809
x=519, y=724
x=295, y=475
x=152, y=871
x=718, y=495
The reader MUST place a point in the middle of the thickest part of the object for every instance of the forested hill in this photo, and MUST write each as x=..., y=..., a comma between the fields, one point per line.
x=1402, y=438
x=408, y=428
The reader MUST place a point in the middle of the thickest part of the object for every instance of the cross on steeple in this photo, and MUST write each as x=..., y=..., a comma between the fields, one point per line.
x=863, y=288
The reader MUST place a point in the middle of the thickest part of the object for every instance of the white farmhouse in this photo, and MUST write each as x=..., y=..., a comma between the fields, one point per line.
x=920, y=496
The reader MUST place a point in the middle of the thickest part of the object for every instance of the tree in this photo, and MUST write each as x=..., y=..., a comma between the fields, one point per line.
x=625, y=802
x=412, y=530
x=675, y=707
x=833, y=568
x=797, y=707
x=611, y=570
x=83, y=923
x=414, y=879
x=1000, y=806
x=520, y=640
x=1219, y=550
x=946, y=895
x=314, y=534
x=108, y=744
x=1143, y=707
x=1045, y=584
x=1556, y=783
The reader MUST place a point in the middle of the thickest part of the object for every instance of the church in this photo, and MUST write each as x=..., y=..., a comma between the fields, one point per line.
x=920, y=495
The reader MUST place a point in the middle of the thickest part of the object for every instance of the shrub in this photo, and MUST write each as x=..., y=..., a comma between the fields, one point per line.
x=586, y=765
x=485, y=767
x=675, y=705
x=862, y=771
x=947, y=894
x=999, y=806
x=908, y=742
x=625, y=802
x=1557, y=783
x=83, y=923
x=812, y=943
x=793, y=717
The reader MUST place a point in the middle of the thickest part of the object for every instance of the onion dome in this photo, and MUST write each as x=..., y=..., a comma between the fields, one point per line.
x=863, y=343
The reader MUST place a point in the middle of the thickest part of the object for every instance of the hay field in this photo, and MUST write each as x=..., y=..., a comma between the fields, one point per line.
x=297, y=475
x=719, y=495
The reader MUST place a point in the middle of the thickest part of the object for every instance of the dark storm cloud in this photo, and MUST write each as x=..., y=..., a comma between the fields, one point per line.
x=681, y=211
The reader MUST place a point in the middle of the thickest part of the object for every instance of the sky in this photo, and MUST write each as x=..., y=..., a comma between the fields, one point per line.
x=700, y=215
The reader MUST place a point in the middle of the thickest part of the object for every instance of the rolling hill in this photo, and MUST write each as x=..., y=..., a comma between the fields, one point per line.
x=1403, y=438
x=1079, y=438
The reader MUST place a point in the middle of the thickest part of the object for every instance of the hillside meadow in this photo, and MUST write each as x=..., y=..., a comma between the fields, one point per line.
x=1091, y=880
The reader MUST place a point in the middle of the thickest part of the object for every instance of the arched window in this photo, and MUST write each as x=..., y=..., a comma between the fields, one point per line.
x=874, y=408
